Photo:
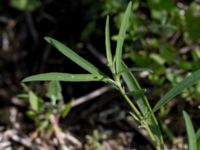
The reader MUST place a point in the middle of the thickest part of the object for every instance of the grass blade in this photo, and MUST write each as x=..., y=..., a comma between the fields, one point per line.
x=73, y=56
x=198, y=138
x=67, y=77
x=34, y=101
x=121, y=37
x=192, y=143
x=143, y=105
x=67, y=109
x=107, y=42
x=186, y=83
x=136, y=93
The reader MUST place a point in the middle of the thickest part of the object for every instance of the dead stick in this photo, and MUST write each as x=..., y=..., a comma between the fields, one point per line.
x=90, y=96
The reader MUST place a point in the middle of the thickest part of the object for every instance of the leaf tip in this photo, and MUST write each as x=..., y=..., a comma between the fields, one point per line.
x=48, y=39
x=25, y=80
x=184, y=113
x=155, y=108
x=107, y=18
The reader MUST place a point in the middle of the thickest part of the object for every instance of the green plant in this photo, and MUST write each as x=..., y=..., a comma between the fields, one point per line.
x=93, y=141
x=121, y=74
x=157, y=39
x=193, y=137
x=25, y=5
x=41, y=111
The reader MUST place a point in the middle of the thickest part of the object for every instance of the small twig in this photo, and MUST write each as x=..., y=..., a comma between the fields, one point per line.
x=58, y=132
x=4, y=145
x=13, y=134
x=182, y=6
x=175, y=38
x=45, y=56
x=13, y=118
x=90, y=96
x=32, y=28
x=18, y=102
x=98, y=55
x=73, y=140
x=188, y=48
x=5, y=41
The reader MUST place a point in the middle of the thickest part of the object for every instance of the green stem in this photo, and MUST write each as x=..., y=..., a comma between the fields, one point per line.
x=140, y=117
x=135, y=110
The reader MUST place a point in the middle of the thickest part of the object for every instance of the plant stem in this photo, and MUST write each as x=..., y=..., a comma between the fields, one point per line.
x=135, y=110
x=141, y=119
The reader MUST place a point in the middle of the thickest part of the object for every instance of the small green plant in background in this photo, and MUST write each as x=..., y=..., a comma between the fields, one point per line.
x=41, y=111
x=123, y=80
x=93, y=141
x=159, y=38
x=25, y=5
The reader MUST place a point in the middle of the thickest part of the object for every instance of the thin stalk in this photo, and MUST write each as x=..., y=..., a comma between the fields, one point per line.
x=135, y=110
x=140, y=117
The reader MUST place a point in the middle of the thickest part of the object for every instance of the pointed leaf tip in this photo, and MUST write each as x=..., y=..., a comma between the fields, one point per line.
x=192, y=141
x=67, y=77
x=186, y=83
x=73, y=56
x=107, y=43
x=121, y=37
x=47, y=38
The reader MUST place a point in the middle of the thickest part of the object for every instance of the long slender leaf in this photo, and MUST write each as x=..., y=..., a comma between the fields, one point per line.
x=73, y=56
x=107, y=42
x=143, y=105
x=186, y=83
x=198, y=138
x=136, y=93
x=192, y=142
x=55, y=76
x=121, y=37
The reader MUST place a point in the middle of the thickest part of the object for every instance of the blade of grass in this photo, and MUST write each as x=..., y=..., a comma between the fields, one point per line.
x=34, y=101
x=121, y=37
x=107, y=41
x=144, y=107
x=192, y=143
x=64, y=77
x=186, y=83
x=67, y=108
x=73, y=56
x=135, y=93
x=198, y=138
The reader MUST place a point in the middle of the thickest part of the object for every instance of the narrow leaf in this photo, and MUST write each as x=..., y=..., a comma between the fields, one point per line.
x=121, y=37
x=34, y=101
x=136, y=92
x=107, y=41
x=63, y=77
x=198, y=134
x=198, y=138
x=143, y=105
x=67, y=109
x=186, y=83
x=73, y=56
x=192, y=143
